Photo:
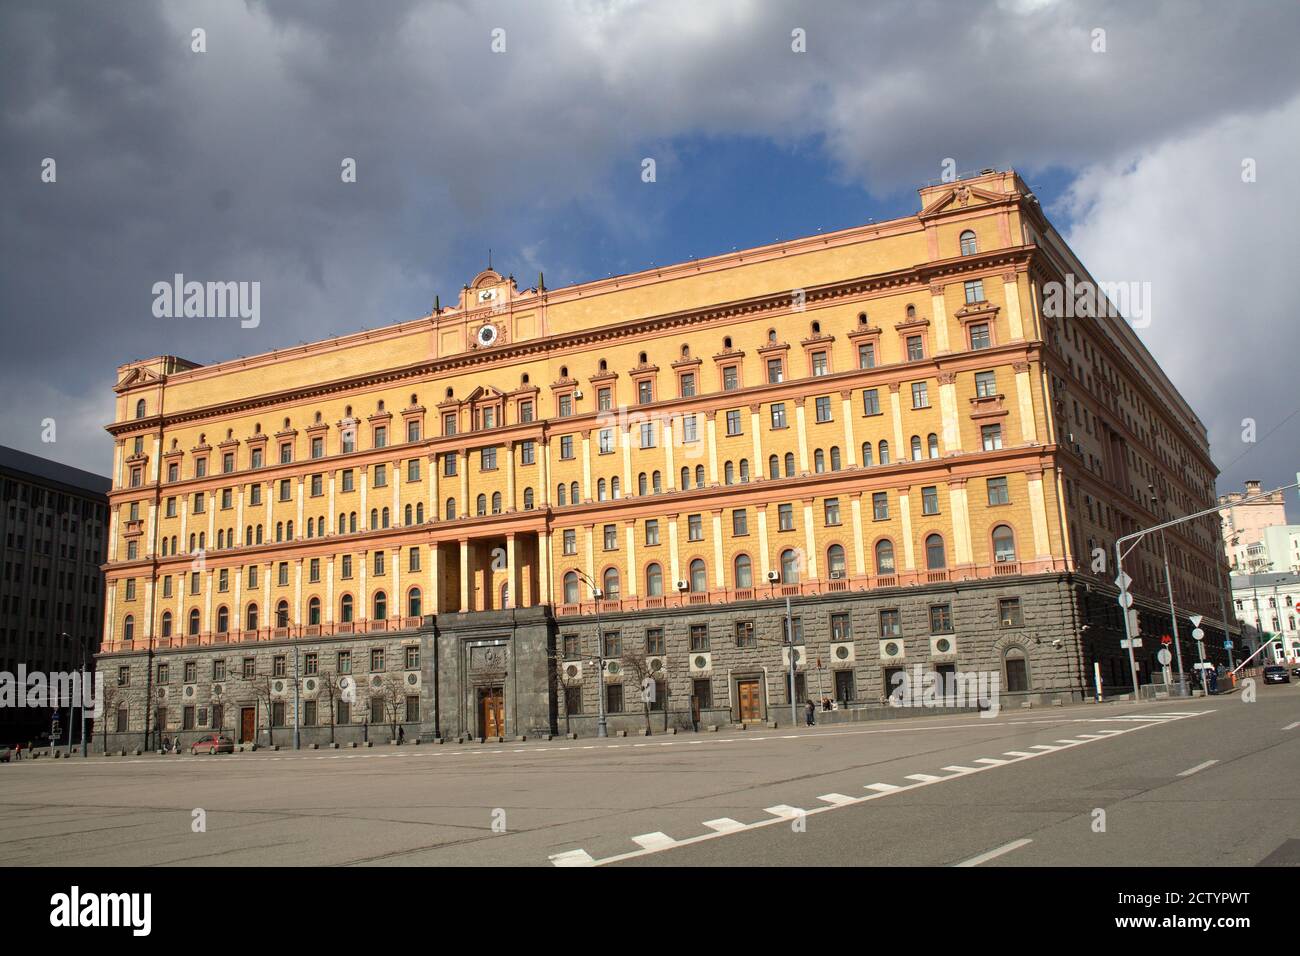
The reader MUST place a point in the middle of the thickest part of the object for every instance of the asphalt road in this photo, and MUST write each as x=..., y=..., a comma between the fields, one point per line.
x=1214, y=782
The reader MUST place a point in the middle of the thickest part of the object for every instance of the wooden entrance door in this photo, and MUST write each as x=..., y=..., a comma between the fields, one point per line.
x=751, y=700
x=247, y=724
x=491, y=712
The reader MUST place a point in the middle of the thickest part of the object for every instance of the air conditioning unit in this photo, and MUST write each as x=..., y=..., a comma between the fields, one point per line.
x=683, y=585
x=656, y=665
x=773, y=577
x=613, y=668
x=577, y=394
x=572, y=670
x=943, y=645
x=843, y=653
x=800, y=657
x=891, y=649
x=413, y=680
x=701, y=662
x=836, y=575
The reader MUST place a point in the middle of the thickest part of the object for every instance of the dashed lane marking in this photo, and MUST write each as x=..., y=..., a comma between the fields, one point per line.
x=1198, y=768
x=995, y=853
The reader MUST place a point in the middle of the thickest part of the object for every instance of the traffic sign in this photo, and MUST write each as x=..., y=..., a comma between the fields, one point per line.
x=1137, y=642
x=1166, y=639
x=1164, y=657
x=1198, y=634
x=1195, y=619
x=1123, y=581
x=1125, y=599
x=1227, y=645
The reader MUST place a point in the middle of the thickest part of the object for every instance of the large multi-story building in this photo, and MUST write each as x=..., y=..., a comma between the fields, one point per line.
x=1256, y=537
x=882, y=424
x=1267, y=605
x=54, y=524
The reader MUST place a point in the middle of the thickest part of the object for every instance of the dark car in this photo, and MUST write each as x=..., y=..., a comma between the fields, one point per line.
x=1276, y=674
x=1295, y=671
x=213, y=744
x=4, y=755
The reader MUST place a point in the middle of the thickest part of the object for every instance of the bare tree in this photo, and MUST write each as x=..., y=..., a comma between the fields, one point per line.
x=566, y=681
x=262, y=687
x=113, y=698
x=391, y=689
x=637, y=666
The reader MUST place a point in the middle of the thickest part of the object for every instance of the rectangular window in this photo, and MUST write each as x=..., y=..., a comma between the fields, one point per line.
x=798, y=630
x=890, y=625
x=381, y=476
x=841, y=629
x=871, y=402
x=311, y=664
x=527, y=453
x=979, y=336
x=570, y=541
x=991, y=437
x=605, y=441
x=613, y=644
x=413, y=558
x=654, y=640
x=381, y=436
x=250, y=668
x=488, y=459
x=974, y=291
x=645, y=391
x=867, y=355
x=345, y=662
x=688, y=384
x=565, y=405
x=998, y=493
x=730, y=380
x=831, y=508
x=413, y=470
x=525, y=411
x=286, y=489
x=614, y=698
x=611, y=537
x=412, y=709
x=745, y=635
x=941, y=619
x=278, y=666
x=699, y=637
x=823, y=406
x=572, y=647
x=566, y=447
x=986, y=384
x=880, y=505
x=449, y=423
x=930, y=500
x=317, y=485
x=1009, y=612
x=647, y=434
x=286, y=453
x=449, y=464
x=412, y=430
x=820, y=365
x=604, y=399
x=733, y=422
x=412, y=655
x=690, y=428
x=915, y=348
x=785, y=517
x=739, y=522
x=349, y=480
x=313, y=572
x=652, y=531
x=377, y=659
x=775, y=373
x=694, y=528
x=778, y=414
x=920, y=395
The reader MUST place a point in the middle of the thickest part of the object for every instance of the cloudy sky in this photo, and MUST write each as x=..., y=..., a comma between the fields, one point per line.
x=225, y=164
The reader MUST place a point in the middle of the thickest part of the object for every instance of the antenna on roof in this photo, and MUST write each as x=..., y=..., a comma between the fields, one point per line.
x=541, y=283
x=489, y=257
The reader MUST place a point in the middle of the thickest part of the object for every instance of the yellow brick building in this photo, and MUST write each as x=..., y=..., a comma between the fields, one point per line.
x=882, y=424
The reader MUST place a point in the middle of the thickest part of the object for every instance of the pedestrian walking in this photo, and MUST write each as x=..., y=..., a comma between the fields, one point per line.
x=401, y=735
x=810, y=713
x=18, y=751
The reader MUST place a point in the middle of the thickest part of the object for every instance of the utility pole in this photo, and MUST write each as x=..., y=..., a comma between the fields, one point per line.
x=1223, y=606
x=1169, y=588
x=789, y=636
x=297, y=731
x=602, y=724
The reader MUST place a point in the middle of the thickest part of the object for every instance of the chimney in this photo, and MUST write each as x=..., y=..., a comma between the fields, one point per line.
x=1253, y=488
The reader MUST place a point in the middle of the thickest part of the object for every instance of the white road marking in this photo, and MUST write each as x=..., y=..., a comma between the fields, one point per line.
x=991, y=761
x=782, y=810
x=724, y=825
x=654, y=841
x=1292, y=726
x=1198, y=767
x=957, y=768
x=837, y=799
x=881, y=787
x=993, y=854
x=922, y=777
x=1017, y=753
x=1043, y=747
x=572, y=858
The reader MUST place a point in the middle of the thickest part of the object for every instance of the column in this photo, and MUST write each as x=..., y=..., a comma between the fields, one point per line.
x=719, y=577
x=586, y=467
x=960, y=509
x=510, y=498
x=905, y=514
x=212, y=521
x=674, y=564
x=764, y=561
x=396, y=479
x=711, y=432
x=512, y=570
x=939, y=309
x=207, y=602
x=625, y=436
x=850, y=443
x=1011, y=294
x=760, y=466
x=545, y=473
x=671, y=469
x=239, y=510
x=1025, y=402
x=297, y=592
x=328, y=617
x=148, y=602
x=464, y=575
x=949, y=412
x=899, y=451
x=330, y=518
x=363, y=479
x=590, y=567
x=544, y=568
x=434, y=512
x=632, y=575
x=859, y=558
x=463, y=466
x=237, y=612
x=801, y=425
x=397, y=603
x=1038, y=514
x=810, y=539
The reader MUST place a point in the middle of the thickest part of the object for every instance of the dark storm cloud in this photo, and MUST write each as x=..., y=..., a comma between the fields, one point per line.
x=225, y=165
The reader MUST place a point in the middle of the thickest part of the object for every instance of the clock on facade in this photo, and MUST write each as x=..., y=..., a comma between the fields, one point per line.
x=487, y=334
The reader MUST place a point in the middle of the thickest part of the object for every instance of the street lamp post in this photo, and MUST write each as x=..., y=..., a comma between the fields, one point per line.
x=602, y=725
x=1169, y=589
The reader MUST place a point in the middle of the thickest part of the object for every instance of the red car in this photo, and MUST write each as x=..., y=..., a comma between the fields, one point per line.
x=213, y=744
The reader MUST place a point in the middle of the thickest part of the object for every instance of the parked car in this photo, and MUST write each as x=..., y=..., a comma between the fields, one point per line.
x=213, y=744
x=4, y=755
x=1276, y=674
x=1295, y=671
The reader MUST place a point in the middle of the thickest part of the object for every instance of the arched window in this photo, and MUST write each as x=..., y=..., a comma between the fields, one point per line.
x=221, y=539
x=381, y=607
x=729, y=473
x=449, y=509
x=654, y=580
x=835, y=458
x=883, y=452
x=819, y=461
x=139, y=409
x=686, y=478
x=528, y=499
x=600, y=489
x=935, y=559
x=789, y=464
x=615, y=488
x=167, y=624
x=345, y=609
x=313, y=612
x=609, y=583
x=374, y=518
x=835, y=561
x=744, y=470
x=407, y=513
x=773, y=467
x=413, y=602
x=968, y=244
x=282, y=614
x=1004, y=543
x=288, y=530
x=480, y=505
x=574, y=497
x=699, y=580
x=571, y=587
x=258, y=535
x=343, y=524
x=884, y=556
x=916, y=448
x=642, y=484
x=128, y=628
x=789, y=566
x=352, y=522
x=419, y=513
x=194, y=622
x=743, y=572
x=933, y=444
x=250, y=618
x=223, y=619
x=561, y=494
x=1017, y=668
x=657, y=482
x=496, y=502
x=866, y=454
x=699, y=476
